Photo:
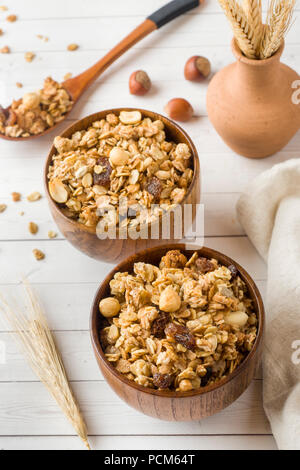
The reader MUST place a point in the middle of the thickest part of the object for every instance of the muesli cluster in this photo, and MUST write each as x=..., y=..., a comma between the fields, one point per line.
x=36, y=112
x=122, y=157
x=184, y=324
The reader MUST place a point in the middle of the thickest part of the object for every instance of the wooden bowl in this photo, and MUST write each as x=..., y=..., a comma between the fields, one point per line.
x=170, y=405
x=85, y=238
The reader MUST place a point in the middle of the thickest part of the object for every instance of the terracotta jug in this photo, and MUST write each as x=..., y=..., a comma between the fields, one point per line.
x=250, y=104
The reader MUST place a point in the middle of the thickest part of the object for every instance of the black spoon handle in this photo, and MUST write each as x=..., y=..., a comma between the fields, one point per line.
x=173, y=9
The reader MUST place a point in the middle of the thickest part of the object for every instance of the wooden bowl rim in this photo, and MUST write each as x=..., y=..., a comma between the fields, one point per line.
x=100, y=115
x=206, y=252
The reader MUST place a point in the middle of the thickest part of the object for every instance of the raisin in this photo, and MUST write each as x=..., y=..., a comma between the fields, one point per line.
x=154, y=187
x=205, y=379
x=162, y=380
x=103, y=179
x=204, y=265
x=233, y=270
x=182, y=335
x=12, y=118
x=159, y=324
x=174, y=259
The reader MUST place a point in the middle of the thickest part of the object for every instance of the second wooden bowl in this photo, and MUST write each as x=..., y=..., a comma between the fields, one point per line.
x=169, y=405
x=85, y=238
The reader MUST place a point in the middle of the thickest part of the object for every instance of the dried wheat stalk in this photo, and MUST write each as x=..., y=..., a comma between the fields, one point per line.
x=32, y=332
x=278, y=21
x=242, y=29
x=258, y=41
x=253, y=10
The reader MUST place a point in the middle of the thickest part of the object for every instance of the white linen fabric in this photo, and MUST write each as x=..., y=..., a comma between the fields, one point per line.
x=269, y=211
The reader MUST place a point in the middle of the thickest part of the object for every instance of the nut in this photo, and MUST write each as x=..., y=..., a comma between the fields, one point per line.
x=31, y=100
x=197, y=69
x=113, y=334
x=238, y=319
x=179, y=109
x=33, y=228
x=109, y=307
x=118, y=156
x=19, y=84
x=2, y=207
x=169, y=300
x=38, y=254
x=130, y=117
x=58, y=191
x=139, y=83
x=35, y=196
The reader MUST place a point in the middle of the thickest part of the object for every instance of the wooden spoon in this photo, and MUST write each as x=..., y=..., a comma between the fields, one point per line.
x=77, y=85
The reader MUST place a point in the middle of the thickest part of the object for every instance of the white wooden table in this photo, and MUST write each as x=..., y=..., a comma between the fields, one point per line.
x=66, y=280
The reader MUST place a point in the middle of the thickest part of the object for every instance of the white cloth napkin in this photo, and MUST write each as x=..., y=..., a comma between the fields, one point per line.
x=269, y=211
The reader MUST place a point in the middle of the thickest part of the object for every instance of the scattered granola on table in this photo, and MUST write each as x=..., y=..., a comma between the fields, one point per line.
x=5, y=50
x=33, y=228
x=29, y=56
x=33, y=197
x=38, y=254
x=11, y=18
x=72, y=47
x=52, y=234
x=16, y=197
x=180, y=326
x=117, y=158
x=36, y=112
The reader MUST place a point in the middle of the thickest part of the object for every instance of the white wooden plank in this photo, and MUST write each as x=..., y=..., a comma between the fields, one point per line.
x=70, y=8
x=63, y=263
x=140, y=443
x=76, y=350
x=184, y=31
x=27, y=409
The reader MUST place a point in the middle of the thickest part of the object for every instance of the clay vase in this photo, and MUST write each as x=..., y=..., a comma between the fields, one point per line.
x=250, y=104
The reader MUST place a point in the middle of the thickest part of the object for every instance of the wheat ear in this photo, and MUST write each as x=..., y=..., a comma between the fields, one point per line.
x=32, y=332
x=253, y=10
x=242, y=29
x=278, y=21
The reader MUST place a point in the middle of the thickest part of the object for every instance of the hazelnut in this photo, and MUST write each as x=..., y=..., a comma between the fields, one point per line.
x=109, y=307
x=118, y=156
x=179, y=109
x=139, y=83
x=197, y=68
x=31, y=100
x=169, y=300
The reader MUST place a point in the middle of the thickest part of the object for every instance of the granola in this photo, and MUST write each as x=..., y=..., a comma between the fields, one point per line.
x=125, y=157
x=36, y=112
x=176, y=344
